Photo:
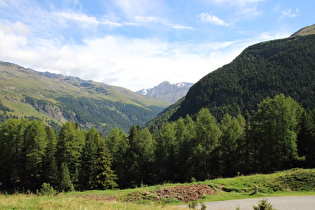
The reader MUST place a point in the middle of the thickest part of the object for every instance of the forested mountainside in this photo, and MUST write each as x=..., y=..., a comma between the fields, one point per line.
x=55, y=99
x=262, y=70
x=34, y=155
x=168, y=92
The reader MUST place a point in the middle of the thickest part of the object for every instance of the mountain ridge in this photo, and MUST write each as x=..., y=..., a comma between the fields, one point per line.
x=55, y=99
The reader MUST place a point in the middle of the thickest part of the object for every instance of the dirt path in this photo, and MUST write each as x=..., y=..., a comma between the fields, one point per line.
x=279, y=203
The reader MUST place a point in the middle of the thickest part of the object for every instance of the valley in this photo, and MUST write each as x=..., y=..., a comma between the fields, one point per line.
x=90, y=142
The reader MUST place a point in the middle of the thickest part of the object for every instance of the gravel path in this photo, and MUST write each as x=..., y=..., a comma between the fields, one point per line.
x=279, y=203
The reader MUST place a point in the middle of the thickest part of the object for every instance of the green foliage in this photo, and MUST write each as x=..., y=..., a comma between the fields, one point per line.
x=33, y=158
x=65, y=183
x=306, y=138
x=69, y=148
x=202, y=148
x=275, y=130
x=297, y=180
x=231, y=143
x=193, y=204
x=263, y=205
x=47, y=190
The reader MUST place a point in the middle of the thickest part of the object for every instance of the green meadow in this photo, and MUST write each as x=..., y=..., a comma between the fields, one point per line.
x=294, y=182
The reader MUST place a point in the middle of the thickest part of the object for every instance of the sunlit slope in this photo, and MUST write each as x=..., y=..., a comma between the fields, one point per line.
x=56, y=98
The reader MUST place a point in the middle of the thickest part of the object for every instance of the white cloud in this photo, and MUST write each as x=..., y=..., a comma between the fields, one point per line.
x=39, y=43
x=80, y=17
x=121, y=61
x=84, y=20
x=205, y=17
x=150, y=19
x=289, y=13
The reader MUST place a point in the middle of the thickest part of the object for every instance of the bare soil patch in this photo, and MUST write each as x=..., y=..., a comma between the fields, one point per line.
x=185, y=193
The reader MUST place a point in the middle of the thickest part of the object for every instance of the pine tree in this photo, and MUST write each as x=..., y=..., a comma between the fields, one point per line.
x=118, y=145
x=306, y=138
x=232, y=131
x=65, y=183
x=95, y=170
x=275, y=129
x=165, y=153
x=208, y=134
x=49, y=160
x=69, y=148
x=34, y=146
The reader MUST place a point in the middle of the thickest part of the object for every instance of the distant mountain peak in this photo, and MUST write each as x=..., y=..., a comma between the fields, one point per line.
x=167, y=92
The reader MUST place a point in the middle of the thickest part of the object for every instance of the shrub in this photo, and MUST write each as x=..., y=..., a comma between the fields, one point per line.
x=264, y=205
x=193, y=204
x=47, y=190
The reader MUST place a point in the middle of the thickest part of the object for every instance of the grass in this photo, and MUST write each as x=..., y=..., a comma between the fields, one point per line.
x=294, y=182
x=66, y=201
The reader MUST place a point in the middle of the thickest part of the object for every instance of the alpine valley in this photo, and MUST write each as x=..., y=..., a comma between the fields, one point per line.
x=55, y=99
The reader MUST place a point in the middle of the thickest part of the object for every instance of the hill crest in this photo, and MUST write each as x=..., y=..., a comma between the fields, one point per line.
x=308, y=30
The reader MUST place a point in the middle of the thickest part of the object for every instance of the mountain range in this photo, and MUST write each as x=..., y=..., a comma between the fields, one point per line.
x=167, y=92
x=55, y=99
x=262, y=70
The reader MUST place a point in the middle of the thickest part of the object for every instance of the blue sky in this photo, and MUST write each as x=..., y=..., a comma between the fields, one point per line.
x=140, y=43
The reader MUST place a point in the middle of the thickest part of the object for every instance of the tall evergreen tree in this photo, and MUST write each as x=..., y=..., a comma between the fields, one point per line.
x=118, y=145
x=186, y=142
x=69, y=148
x=34, y=146
x=165, y=153
x=10, y=152
x=95, y=170
x=208, y=134
x=275, y=130
x=65, y=183
x=306, y=138
x=49, y=160
x=232, y=131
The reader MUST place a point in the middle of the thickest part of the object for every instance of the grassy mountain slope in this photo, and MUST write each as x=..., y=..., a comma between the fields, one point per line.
x=56, y=99
x=305, y=31
x=262, y=70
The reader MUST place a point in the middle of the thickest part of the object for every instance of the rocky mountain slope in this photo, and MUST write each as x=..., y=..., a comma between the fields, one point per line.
x=55, y=99
x=167, y=92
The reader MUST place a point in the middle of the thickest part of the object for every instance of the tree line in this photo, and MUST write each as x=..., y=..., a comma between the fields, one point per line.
x=279, y=135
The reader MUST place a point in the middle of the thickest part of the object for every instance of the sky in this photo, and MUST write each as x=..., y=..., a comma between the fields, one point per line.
x=138, y=44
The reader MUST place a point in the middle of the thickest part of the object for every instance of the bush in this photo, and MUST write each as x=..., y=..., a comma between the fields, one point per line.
x=47, y=190
x=264, y=205
x=193, y=204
